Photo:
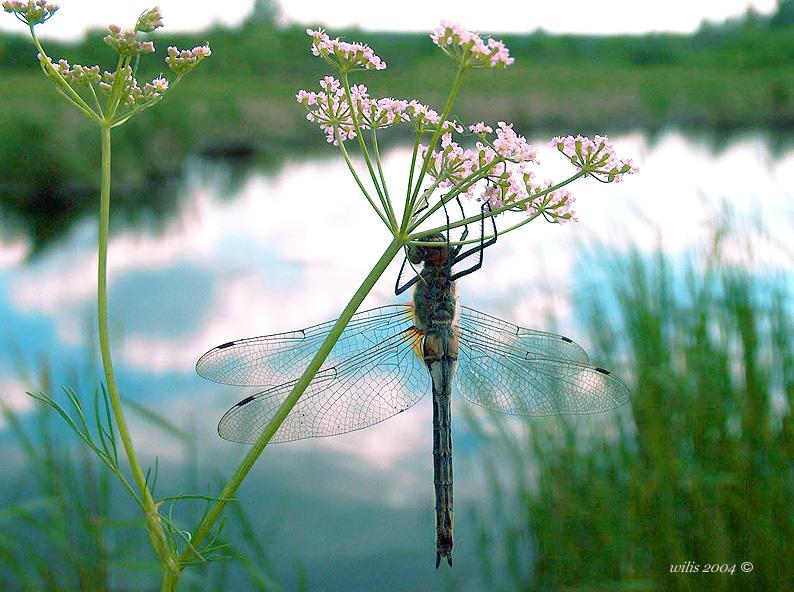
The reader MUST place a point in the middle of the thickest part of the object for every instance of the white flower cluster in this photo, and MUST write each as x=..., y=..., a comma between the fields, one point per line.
x=31, y=12
x=183, y=61
x=469, y=49
x=76, y=74
x=331, y=110
x=343, y=55
x=595, y=157
x=125, y=41
x=132, y=93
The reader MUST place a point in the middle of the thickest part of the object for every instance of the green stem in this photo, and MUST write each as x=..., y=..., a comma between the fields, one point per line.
x=365, y=152
x=170, y=581
x=389, y=207
x=73, y=103
x=407, y=209
x=424, y=198
x=462, y=186
x=487, y=237
x=115, y=92
x=230, y=490
x=496, y=211
x=153, y=525
x=353, y=172
x=96, y=100
x=64, y=86
x=434, y=140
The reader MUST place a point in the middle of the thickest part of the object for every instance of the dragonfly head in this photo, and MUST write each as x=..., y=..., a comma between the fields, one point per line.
x=434, y=256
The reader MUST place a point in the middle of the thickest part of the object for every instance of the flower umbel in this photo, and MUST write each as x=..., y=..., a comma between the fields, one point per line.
x=594, y=157
x=76, y=74
x=31, y=12
x=495, y=170
x=150, y=20
x=342, y=55
x=469, y=49
x=183, y=61
x=126, y=43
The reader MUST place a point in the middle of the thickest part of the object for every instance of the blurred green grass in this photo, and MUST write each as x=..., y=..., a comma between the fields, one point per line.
x=700, y=468
x=66, y=524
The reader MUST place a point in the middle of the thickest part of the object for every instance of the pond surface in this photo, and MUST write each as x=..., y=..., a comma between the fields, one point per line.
x=255, y=253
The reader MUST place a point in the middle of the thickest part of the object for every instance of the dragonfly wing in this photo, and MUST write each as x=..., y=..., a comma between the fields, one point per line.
x=279, y=358
x=369, y=387
x=528, y=383
x=520, y=340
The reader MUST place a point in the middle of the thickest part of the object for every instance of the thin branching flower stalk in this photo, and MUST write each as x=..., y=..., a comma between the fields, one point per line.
x=110, y=99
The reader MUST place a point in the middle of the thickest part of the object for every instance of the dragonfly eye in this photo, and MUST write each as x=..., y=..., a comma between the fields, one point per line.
x=416, y=255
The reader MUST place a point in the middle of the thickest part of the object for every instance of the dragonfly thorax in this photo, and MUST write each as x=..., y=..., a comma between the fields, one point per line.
x=435, y=299
x=431, y=256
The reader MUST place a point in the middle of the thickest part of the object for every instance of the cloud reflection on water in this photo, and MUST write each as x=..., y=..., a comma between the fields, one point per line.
x=288, y=250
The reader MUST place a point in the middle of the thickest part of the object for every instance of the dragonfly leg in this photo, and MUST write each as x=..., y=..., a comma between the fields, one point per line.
x=446, y=213
x=479, y=248
x=465, y=234
x=420, y=210
x=398, y=289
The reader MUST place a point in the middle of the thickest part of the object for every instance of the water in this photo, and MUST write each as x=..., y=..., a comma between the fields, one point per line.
x=254, y=253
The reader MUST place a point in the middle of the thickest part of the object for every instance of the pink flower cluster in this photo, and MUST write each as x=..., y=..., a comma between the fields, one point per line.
x=133, y=94
x=126, y=43
x=518, y=190
x=150, y=20
x=481, y=128
x=505, y=180
x=594, y=157
x=32, y=12
x=424, y=119
x=183, y=61
x=469, y=49
x=454, y=164
x=76, y=74
x=509, y=145
x=344, y=55
x=331, y=110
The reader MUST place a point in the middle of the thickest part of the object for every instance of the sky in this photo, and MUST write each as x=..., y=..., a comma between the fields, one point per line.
x=571, y=16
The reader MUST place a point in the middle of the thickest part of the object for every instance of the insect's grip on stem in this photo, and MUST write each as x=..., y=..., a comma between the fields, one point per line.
x=229, y=492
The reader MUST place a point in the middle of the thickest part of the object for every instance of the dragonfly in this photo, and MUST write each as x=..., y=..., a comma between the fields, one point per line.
x=389, y=357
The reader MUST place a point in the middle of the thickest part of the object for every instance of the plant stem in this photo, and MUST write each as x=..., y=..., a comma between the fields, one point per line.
x=494, y=211
x=353, y=172
x=436, y=134
x=153, y=525
x=379, y=164
x=247, y=463
x=485, y=237
x=407, y=210
x=365, y=152
x=456, y=190
x=61, y=84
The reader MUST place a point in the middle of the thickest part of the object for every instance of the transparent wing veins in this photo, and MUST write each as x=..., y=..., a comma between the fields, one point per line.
x=519, y=338
x=367, y=388
x=509, y=377
x=281, y=357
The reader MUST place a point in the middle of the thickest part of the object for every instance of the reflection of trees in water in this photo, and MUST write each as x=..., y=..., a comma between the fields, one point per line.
x=45, y=188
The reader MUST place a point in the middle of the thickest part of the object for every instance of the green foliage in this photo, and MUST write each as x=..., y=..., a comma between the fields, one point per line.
x=240, y=104
x=702, y=469
x=64, y=526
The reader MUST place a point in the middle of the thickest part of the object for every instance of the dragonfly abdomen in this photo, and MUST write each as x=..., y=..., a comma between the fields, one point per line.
x=440, y=355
